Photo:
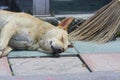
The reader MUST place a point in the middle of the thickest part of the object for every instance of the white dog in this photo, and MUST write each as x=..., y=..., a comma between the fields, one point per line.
x=23, y=31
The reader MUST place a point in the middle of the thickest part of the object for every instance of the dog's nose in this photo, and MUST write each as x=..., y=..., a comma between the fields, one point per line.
x=58, y=50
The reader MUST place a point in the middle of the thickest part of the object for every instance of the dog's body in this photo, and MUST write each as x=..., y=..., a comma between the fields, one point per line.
x=23, y=31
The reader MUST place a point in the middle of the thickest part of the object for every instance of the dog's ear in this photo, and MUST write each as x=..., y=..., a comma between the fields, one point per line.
x=65, y=23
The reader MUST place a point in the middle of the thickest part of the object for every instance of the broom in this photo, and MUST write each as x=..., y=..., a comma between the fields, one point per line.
x=102, y=26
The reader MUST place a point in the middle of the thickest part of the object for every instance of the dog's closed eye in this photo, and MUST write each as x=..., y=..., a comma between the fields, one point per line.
x=51, y=45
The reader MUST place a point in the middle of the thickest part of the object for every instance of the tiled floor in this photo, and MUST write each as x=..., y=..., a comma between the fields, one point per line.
x=90, y=47
x=47, y=66
x=4, y=67
x=102, y=62
x=83, y=58
x=21, y=54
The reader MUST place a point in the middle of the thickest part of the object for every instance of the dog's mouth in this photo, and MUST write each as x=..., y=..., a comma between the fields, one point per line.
x=56, y=50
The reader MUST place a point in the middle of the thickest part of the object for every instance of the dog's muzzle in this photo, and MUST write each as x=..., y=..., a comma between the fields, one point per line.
x=56, y=50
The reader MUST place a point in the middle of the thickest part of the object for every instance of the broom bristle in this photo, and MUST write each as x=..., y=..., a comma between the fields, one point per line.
x=102, y=26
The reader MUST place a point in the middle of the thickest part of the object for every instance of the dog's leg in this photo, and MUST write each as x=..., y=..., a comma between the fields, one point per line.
x=6, y=33
x=41, y=50
x=34, y=47
x=6, y=51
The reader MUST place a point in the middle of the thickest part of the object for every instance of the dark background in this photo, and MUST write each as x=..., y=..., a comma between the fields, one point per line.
x=56, y=6
x=76, y=6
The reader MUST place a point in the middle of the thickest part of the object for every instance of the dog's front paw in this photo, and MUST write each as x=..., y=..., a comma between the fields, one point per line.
x=34, y=47
x=1, y=53
x=41, y=50
x=5, y=51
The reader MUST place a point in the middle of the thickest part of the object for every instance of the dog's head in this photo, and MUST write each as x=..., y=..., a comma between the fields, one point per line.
x=56, y=40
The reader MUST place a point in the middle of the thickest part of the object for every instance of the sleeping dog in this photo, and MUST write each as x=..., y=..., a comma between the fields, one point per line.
x=24, y=31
